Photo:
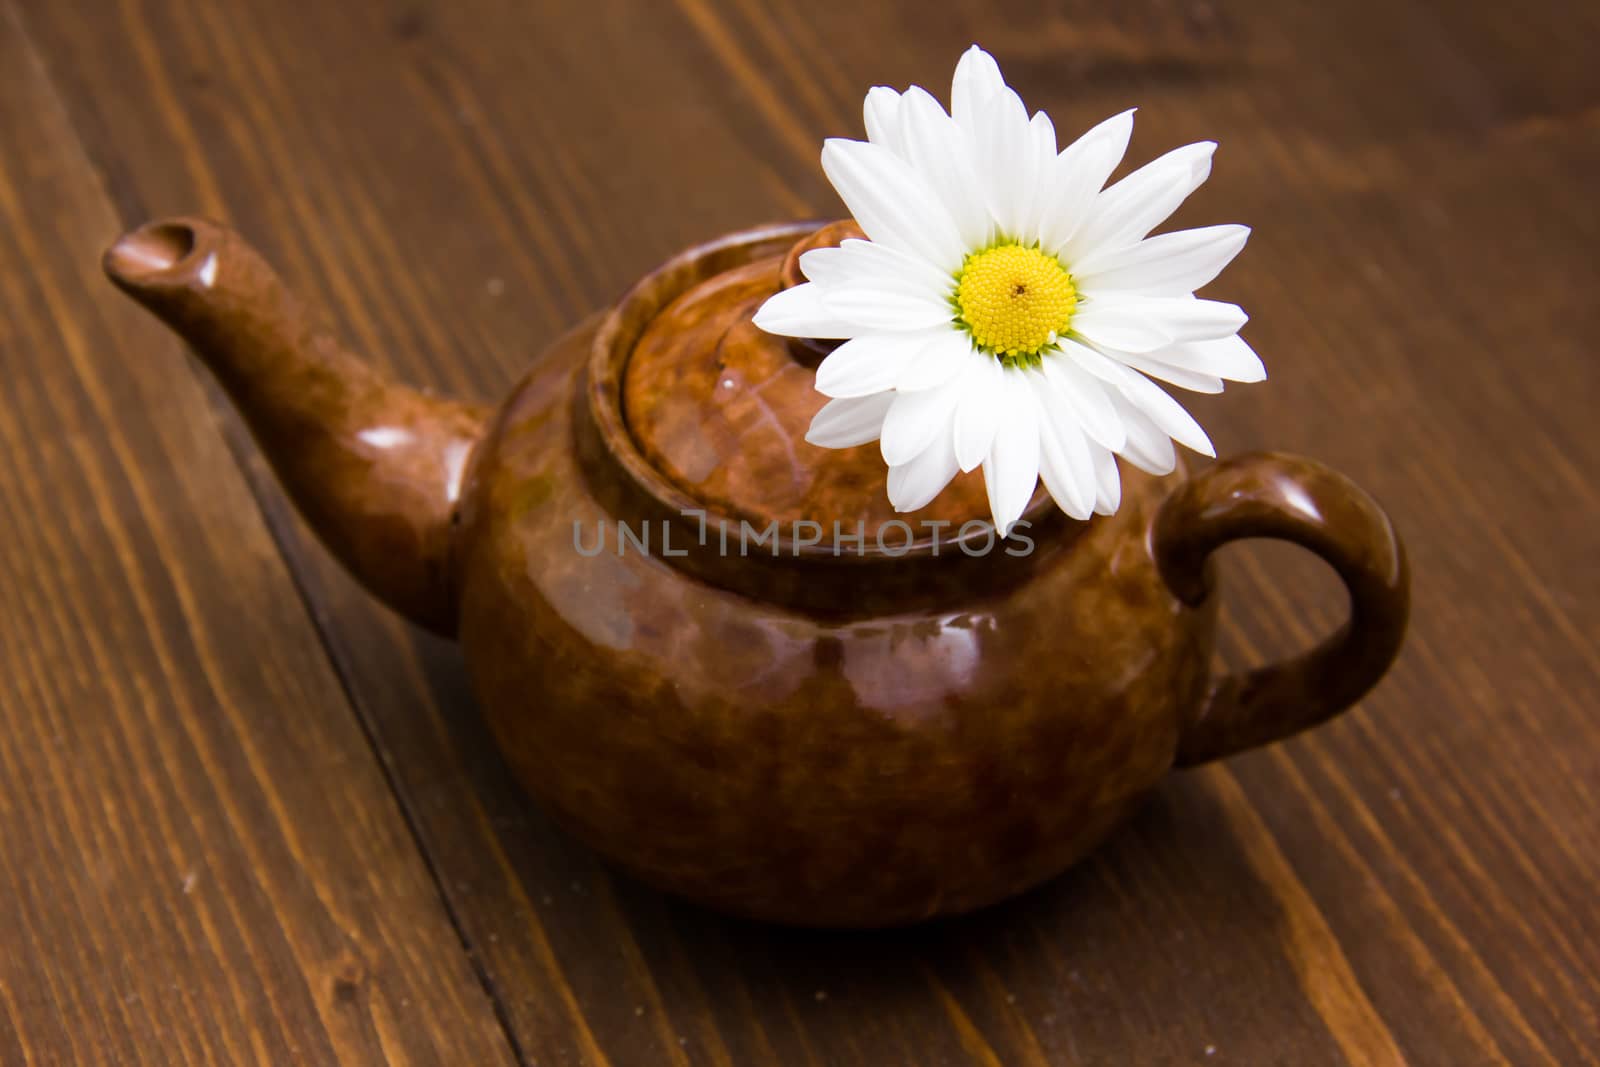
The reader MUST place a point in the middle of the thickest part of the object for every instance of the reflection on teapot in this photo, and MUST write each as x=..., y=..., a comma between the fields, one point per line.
x=782, y=699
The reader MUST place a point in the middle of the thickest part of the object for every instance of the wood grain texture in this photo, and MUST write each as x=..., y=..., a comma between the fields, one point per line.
x=200, y=858
x=459, y=182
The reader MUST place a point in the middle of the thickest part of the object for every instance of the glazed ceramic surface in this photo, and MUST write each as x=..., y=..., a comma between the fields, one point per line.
x=911, y=722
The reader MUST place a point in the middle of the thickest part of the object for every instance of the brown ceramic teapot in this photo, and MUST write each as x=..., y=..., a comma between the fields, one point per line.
x=854, y=731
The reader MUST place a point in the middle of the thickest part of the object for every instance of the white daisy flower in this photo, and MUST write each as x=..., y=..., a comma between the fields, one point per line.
x=1006, y=310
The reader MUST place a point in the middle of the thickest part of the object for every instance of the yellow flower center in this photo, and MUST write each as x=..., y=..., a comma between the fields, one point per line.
x=1014, y=301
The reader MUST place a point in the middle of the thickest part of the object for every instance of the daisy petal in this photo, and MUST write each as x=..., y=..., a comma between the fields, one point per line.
x=977, y=415
x=1077, y=176
x=1006, y=162
x=1135, y=320
x=1148, y=398
x=1011, y=470
x=1130, y=209
x=1065, y=465
x=916, y=419
x=1224, y=357
x=1189, y=319
x=1086, y=397
x=883, y=309
x=868, y=364
x=1122, y=325
x=1169, y=415
x=1107, y=482
x=1042, y=133
x=936, y=147
x=1182, y=377
x=1148, y=448
x=881, y=110
x=891, y=202
x=857, y=262
x=946, y=355
x=1169, y=263
x=913, y=485
x=799, y=312
x=977, y=79
x=851, y=422
x=1094, y=363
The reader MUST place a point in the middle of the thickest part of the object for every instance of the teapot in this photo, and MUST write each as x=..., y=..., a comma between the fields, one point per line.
x=875, y=728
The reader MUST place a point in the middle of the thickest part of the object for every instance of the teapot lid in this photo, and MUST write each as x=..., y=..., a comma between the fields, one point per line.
x=720, y=408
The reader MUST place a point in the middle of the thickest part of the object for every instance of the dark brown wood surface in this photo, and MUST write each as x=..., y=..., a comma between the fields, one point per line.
x=245, y=816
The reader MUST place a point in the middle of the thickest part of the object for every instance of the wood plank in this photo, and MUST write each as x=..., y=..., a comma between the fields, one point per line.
x=1413, y=881
x=200, y=858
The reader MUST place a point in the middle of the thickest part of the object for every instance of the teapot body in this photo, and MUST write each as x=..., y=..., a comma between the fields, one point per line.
x=861, y=767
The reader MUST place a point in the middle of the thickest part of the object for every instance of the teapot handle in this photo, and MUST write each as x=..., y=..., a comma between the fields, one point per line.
x=1292, y=499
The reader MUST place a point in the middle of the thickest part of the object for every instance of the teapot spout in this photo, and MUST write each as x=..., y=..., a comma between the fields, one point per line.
x=375, y=467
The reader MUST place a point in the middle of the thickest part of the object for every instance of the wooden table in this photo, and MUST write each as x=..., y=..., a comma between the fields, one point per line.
x=246, y=816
